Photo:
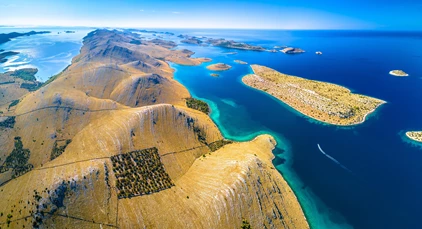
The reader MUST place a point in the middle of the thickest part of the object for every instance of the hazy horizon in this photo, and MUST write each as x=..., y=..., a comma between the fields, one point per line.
x=260, y=14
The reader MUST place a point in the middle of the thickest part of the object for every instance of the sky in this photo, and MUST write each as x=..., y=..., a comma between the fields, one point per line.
x=259, y=14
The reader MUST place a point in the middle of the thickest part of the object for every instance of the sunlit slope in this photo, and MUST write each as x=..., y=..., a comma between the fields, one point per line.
x=110, y=143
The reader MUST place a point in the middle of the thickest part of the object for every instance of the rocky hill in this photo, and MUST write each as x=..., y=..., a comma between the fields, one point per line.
x=111, y=143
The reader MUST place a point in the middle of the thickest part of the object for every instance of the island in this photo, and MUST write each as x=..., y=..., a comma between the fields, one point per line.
x=240, y=62
x=325, y=102
x=190, y=40
x=233, y=44
x=414, y=135
x=214, y=75
x=290, y=50
x=221, y=42
x=399, y=73
x=219, y=67
x=6, y=37
x=203, y=59
x=70, y=31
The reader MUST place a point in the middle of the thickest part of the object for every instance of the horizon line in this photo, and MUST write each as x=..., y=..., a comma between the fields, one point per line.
x=235, y=28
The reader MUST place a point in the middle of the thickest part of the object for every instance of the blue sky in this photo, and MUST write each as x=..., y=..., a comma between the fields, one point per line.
x=263, y=14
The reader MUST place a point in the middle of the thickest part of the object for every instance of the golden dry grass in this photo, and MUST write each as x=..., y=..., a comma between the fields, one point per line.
x=322, y=101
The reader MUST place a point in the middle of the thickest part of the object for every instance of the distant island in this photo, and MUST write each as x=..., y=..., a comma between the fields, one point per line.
x=214, y=75
x=325, y=102
x=204, y=59
x=398, y=73
x=290, y=50
x=69, y=31
x=233, y=44
x=414, y=135
x=219, y=67
x=6, y=37
x=221, y=42
x=240, y=62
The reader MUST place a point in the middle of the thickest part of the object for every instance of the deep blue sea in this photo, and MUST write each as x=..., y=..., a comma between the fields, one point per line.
x=384, y=187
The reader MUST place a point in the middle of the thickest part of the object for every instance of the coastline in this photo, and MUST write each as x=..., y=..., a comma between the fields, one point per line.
x=417, y=139
x=359, y=119
x=215, y=117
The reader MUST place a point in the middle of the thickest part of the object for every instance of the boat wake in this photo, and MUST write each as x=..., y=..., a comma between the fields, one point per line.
x=333, y=159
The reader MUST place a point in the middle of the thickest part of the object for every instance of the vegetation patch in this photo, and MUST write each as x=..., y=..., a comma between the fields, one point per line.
x=214, y=146
x=51, y=79
x=245, y=224
x=27, y=74
x=198, y=105
x=14, y=103
x=140, y=172
x=17, y=160
x=59, y=147
x=31, y=86
x=8, y=123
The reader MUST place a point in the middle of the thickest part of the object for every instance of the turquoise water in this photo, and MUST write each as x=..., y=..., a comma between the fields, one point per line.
x=383, y=189
x=50, y=53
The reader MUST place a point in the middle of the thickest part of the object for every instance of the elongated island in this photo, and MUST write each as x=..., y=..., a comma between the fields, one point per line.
x=325, y=102
x=414, y=135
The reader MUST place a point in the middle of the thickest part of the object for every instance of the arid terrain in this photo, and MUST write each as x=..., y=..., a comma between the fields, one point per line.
x=111, y=142
x=326, y=102
x=415, y=135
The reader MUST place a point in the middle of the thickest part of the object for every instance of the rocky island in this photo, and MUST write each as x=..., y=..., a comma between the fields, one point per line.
x=113, y=141
x=414, y=135
x=214, y=75
x=233, y=44
x=240, y=62
x=290, y=50
x=399, y=73
x=221, y=42
x=325, y=102
x=219, y=67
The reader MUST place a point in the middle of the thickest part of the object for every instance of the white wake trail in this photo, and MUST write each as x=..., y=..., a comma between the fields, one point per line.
x=333, y=159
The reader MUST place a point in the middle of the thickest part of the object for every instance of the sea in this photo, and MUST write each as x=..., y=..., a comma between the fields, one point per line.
x=363, y=176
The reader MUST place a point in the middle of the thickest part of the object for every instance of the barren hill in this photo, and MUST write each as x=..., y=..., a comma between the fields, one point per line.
x=110, y=143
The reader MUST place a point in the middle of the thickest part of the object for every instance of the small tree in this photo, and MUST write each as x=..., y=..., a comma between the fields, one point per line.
x=245, y=224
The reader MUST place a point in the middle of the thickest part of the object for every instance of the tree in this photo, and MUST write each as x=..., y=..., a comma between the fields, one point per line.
x=245, y=224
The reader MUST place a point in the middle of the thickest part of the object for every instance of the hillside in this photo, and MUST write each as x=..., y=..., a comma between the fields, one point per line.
x=111, y=143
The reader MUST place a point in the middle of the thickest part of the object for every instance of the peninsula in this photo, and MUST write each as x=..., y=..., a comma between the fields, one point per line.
x=219, y=67
x=414, y=135
x=114, y=141
x=399, y=73
x=325, y=102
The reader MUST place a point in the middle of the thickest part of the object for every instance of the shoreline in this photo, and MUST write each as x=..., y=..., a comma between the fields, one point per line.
x=271, y=85
x=214, y=115
x=394, y=73
x=416, y=139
